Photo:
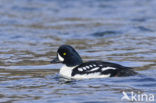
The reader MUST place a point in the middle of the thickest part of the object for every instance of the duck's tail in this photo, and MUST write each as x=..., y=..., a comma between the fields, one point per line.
x=126, y=71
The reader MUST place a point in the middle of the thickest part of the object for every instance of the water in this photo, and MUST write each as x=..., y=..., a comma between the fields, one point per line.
x=120, y=31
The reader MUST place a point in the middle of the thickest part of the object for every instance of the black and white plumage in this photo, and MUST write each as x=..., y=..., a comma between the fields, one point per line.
x=74, y=68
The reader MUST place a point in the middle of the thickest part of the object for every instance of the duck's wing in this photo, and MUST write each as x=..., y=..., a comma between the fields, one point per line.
x=101, y=68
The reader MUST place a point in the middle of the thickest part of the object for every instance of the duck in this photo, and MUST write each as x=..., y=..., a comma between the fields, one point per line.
x=75, y=68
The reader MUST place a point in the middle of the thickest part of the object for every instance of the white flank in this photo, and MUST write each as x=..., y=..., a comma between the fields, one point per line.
x=60, y=58
x=91, y=75
x=67, y=71
x=107, y=68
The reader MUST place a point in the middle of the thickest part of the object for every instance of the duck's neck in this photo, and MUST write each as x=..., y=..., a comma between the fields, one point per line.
x=73, y=61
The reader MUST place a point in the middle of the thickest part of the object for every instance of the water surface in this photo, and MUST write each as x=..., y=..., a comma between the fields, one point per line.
x=120, y=31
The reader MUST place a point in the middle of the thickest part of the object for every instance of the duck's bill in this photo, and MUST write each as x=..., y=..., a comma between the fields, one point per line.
x=55, y=60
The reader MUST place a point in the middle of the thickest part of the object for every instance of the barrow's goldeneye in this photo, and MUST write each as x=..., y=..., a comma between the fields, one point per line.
x=74, y=68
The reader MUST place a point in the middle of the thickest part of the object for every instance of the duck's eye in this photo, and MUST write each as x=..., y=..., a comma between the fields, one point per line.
x=64, y=53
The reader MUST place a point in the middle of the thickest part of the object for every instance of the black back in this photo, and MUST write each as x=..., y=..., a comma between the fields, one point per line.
x=118, y=71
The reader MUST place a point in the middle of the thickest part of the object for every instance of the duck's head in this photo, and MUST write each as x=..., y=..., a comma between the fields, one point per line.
x=67, y=55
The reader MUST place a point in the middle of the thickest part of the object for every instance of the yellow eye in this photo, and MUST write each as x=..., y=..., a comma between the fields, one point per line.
x=64, y=53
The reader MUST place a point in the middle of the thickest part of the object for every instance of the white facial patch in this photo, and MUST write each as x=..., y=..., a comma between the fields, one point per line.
x=60, y=58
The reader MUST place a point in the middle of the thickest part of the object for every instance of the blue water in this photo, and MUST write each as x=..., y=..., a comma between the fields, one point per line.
x=120, y=31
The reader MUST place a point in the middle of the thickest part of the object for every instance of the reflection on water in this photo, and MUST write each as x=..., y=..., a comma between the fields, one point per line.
x=120, y=31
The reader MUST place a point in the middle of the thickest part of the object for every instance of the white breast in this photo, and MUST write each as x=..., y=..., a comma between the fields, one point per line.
x=66, y=71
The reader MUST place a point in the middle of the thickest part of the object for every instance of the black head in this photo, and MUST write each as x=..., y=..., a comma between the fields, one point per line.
x=67, y=55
